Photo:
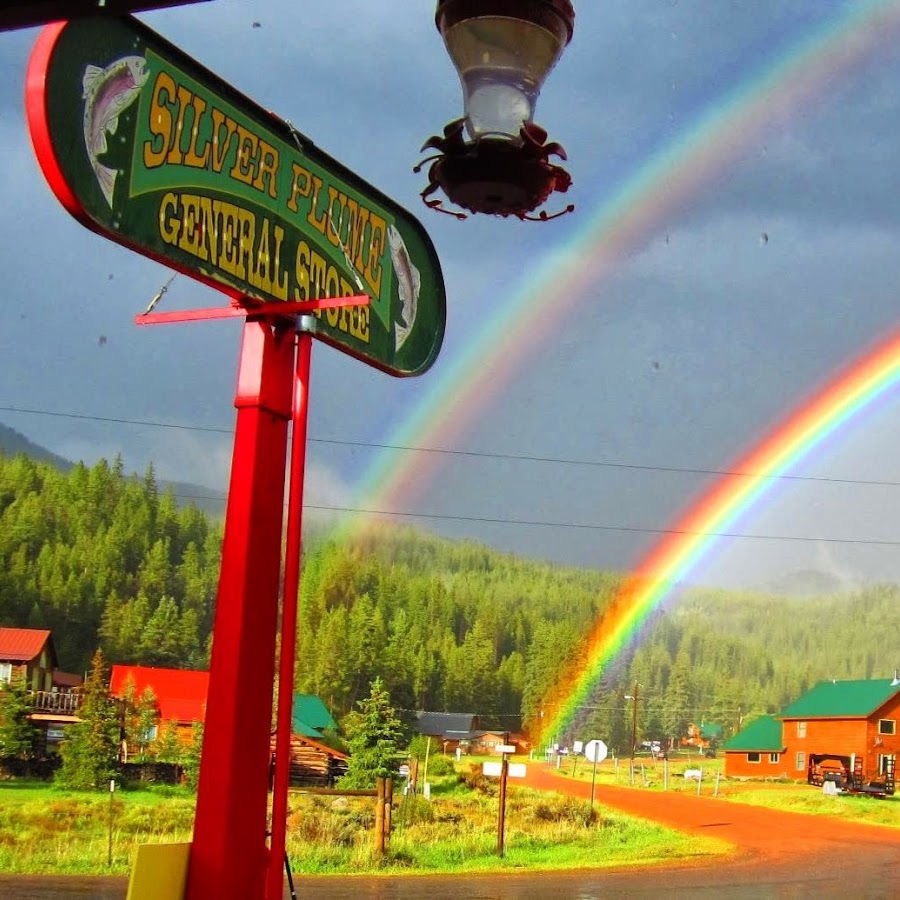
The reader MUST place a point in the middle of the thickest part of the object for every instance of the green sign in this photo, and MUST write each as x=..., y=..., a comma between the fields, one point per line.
x=145, y=146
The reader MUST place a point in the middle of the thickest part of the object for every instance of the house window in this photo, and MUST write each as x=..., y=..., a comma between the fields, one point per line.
x=774, y=758
x=752, y=757
x=885, y=763
x=801, y=729
x=151, y=734
x=887, y=726
x=801, y=762
x=5, y=673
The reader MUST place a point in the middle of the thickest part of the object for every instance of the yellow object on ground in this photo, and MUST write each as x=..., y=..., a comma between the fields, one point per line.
x=160, y=872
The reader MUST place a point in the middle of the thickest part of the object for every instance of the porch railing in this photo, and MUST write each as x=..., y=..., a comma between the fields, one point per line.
x=60, y=702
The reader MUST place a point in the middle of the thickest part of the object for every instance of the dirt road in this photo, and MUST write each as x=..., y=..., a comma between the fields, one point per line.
x=777, y=855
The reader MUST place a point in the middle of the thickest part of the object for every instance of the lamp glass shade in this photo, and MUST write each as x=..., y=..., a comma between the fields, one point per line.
x=502, y=63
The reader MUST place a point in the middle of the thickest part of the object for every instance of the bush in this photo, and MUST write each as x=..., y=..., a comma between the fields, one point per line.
x=475, y=781
x=439, y=766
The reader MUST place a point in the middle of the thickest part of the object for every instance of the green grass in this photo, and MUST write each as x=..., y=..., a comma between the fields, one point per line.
x=46, y=830
x=807, y=799
x=785, y=795
x=458, y=832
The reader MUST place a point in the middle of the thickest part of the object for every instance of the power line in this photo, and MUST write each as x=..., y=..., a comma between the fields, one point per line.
x=474, y=454
x=485, y=520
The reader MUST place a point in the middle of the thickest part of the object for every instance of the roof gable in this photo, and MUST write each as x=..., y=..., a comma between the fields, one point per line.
x=24, y=644
x=448, y=725
x=761, y=735
x=180, y=693
x=842, y=699
x=310, y=716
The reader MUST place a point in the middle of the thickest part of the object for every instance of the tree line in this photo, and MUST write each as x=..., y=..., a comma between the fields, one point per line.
x=109, y=561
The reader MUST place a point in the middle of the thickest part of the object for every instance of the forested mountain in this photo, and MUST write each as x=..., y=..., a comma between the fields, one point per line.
x=101, y=558
x=108, y=560
x=13, y=442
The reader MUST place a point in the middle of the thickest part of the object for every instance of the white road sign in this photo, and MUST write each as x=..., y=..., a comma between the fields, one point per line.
x=595, y=751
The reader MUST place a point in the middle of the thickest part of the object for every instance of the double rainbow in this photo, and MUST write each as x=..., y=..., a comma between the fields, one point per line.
x=659, y=187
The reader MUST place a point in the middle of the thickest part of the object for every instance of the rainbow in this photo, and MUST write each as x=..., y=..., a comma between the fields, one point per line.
x=692, y=537
x=463, y=388
x=619, y=227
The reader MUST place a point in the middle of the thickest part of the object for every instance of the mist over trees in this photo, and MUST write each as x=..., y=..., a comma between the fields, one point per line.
x=108, y=561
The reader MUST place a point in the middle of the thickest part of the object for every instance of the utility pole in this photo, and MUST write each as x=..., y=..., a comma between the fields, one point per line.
x=634, y=700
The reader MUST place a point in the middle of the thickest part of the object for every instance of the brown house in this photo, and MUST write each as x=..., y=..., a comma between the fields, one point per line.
x=29, y=654
x=486, y=742
x=849, y=719
x=453, y=731
x=702, y=736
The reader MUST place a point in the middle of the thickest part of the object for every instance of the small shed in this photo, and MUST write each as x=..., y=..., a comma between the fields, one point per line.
x=313, y=764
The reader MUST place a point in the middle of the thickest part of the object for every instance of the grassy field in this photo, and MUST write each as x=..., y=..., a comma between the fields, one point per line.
x=44, y=830
x=650, y=774
x=47, y=830
x=457, y=831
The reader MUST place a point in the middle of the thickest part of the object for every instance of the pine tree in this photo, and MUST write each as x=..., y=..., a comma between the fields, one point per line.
x=374, y=736
x=191, y=757
x=17, y=733
x=168, y=748
x=139, y=719
x=91, y=748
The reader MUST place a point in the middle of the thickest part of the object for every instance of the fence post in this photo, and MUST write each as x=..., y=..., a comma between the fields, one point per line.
x=388, y=811
x=379, y=815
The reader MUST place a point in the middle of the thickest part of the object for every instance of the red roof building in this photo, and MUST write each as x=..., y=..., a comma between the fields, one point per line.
x=180, y=693
x=27, y=653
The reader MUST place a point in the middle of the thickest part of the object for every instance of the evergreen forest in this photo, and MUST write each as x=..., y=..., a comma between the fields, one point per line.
x=109, y=561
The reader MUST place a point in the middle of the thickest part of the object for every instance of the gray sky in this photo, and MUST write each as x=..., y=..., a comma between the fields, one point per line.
x=770, y=272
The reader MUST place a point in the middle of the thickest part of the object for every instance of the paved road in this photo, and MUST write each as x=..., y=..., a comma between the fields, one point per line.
x=778, y=855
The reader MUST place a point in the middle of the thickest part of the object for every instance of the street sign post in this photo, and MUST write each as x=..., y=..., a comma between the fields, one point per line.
x=150, y=149
x=596, y=752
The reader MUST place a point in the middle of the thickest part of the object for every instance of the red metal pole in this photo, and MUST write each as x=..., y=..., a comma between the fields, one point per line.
x=292, y=560
x=229, y=856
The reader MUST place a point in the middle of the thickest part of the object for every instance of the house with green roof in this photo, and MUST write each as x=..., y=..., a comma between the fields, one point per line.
x=703, y=736
x=755, y=751
x=855, y=719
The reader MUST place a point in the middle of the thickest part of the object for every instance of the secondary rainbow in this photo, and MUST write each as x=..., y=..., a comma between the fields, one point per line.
x=463, y=388
x=708, y=521
x=567, y=275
